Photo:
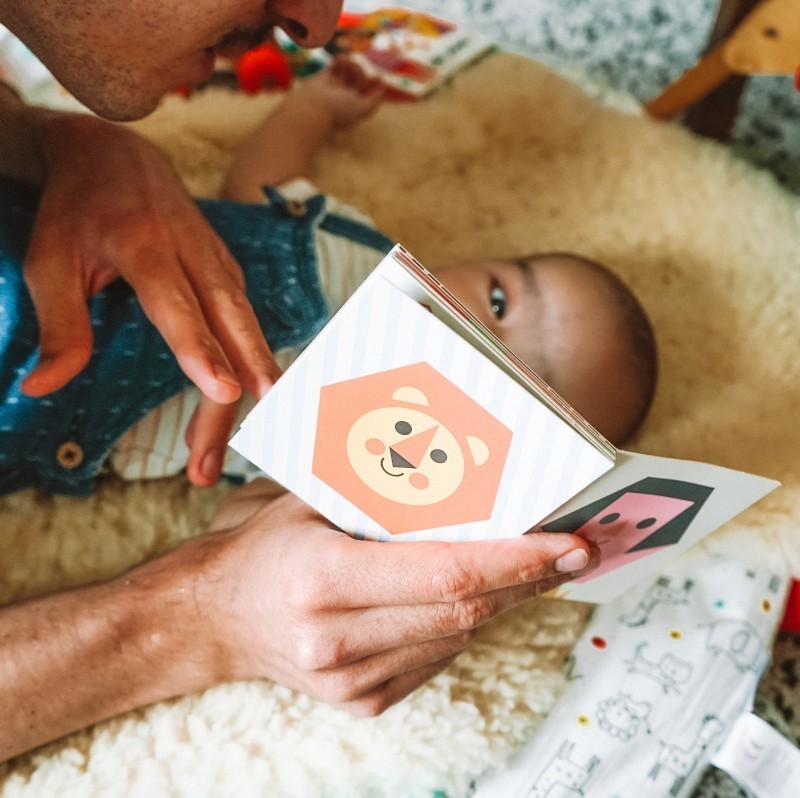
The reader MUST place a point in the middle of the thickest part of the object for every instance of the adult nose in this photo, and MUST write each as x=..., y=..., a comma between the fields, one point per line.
x=310, y=23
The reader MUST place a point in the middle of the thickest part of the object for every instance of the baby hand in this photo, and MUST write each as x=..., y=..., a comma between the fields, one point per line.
x=344, y=90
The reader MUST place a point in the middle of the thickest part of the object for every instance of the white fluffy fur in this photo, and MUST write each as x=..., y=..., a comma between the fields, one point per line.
x=509, y=159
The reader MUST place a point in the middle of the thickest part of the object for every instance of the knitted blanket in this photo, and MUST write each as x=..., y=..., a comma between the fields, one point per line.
x=509, y=158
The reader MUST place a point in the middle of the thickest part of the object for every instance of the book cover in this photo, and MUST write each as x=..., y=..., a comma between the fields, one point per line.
x=396, y=427
x=410, y=51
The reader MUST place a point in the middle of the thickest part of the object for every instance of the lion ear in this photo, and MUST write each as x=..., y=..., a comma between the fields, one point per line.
x=411, y=395
x=478, y=449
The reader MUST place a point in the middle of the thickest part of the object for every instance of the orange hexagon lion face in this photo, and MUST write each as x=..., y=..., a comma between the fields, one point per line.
x=410, y=449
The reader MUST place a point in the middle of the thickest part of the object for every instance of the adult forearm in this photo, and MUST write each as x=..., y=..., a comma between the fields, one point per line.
x=77, y=657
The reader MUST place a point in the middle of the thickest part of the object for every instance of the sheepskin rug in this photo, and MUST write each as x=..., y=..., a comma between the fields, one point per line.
x=509, y=158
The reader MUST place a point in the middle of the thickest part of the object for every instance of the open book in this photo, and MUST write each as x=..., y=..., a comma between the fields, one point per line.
x=407, y=419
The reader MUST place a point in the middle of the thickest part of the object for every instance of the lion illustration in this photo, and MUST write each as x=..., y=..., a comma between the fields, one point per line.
x=410, y=449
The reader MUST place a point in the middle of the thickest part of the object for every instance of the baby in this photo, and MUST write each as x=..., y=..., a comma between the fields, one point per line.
x=302, y=255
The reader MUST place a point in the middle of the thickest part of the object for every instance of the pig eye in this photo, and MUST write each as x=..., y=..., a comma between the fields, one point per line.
x=610, y=518
x=402, y=427
x=438, y=456
x=645, y=523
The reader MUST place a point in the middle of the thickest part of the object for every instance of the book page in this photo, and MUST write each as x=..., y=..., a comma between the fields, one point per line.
x=645, y=512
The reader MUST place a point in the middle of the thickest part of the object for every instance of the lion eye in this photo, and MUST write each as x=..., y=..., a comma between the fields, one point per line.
x=438, y=456
x=403, y=427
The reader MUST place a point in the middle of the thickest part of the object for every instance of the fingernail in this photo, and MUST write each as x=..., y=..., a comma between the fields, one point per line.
x=211, y=464
x=572, y=561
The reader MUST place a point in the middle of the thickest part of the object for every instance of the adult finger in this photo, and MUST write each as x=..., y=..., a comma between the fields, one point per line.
x=65, y=330
x=362, y=634
x=219, y=287
x=393, y=690
x=207, y=438
x=349, y=682
x=364, y=573
x=168, y=300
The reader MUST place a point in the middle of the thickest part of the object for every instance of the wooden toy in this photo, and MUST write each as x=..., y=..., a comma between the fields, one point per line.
x=766, y=42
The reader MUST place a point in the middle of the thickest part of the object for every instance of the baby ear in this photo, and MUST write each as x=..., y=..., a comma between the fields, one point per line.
x=478, y=449
x=411, y=395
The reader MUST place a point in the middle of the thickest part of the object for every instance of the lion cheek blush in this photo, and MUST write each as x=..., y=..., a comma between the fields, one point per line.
x=418, y=481
x=374, y=446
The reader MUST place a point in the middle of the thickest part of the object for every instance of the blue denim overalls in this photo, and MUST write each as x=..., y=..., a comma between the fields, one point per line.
x=59, y=442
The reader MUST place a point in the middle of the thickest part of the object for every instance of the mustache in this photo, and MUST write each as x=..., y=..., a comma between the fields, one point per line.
x=246, y=38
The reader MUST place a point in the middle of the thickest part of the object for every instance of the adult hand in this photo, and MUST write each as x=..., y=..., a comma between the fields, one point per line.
x=272, y=592
x=356, y=623
x=113, y=207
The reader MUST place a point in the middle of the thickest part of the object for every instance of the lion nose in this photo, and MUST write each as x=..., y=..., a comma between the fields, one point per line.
x=398, y=461
x=408, y=453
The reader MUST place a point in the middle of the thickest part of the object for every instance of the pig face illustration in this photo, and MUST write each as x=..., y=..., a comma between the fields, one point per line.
x=633, y=522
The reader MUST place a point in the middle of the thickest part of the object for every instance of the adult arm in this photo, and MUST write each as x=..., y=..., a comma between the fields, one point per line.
x=113, y=206
x=272, y=592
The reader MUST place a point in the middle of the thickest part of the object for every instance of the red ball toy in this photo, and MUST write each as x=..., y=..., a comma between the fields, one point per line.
x=266, y=67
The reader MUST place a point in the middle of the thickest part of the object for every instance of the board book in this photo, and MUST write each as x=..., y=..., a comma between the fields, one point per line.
x=407, y=419
x=411, y=52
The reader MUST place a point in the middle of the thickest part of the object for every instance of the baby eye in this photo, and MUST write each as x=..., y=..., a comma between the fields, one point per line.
x=497, y=299
x=403, y=427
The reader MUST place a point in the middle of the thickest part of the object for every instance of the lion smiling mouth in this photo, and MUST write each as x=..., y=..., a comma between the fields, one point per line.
x=388, y=472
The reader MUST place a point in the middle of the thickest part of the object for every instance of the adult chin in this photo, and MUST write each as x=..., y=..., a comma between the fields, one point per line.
x=125, y=97
x=117, y=109
x=118, y=101
x=114, y=95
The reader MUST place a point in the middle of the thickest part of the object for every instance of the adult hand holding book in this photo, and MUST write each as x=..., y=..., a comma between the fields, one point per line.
x=275, y=592
x=429, y=428
x=358, y=623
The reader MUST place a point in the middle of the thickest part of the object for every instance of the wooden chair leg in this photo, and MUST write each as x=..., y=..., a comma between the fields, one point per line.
x=693, y=85
x=714, y=115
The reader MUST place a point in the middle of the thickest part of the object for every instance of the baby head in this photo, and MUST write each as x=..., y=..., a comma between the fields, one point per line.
x=574, y=323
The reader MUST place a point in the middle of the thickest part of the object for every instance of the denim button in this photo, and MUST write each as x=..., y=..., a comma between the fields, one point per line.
x=69, y=455
x=296, y=207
